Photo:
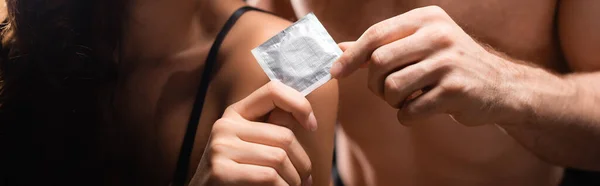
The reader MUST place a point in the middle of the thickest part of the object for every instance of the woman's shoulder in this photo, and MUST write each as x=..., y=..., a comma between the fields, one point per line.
x=256, y=27
x=267, y=25
x=239, y=68
x=3, y=13
x=251, y=30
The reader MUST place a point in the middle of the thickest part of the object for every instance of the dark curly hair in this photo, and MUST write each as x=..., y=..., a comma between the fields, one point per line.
x=58, y=63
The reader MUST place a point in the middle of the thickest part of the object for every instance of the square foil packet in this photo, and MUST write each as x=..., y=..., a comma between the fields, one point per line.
x=299, y=56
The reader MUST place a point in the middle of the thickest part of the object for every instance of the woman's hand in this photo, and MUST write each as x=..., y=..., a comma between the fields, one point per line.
x=242, y=150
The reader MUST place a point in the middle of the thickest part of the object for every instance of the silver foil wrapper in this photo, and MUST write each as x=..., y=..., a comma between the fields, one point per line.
x=299, y=56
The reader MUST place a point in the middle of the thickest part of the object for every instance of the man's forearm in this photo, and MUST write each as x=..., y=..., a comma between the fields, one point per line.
x=557, y=117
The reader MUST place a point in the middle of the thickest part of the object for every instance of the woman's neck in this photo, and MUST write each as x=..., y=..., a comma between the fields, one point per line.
x=159, y=29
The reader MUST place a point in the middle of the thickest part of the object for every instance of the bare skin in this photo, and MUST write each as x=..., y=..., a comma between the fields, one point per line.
x=275, y=135
x=164, y=53
x=283, y=9
x=376, y=150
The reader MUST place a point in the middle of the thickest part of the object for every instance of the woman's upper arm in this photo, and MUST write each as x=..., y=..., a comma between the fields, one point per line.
x=319, y=144
x=324, y=101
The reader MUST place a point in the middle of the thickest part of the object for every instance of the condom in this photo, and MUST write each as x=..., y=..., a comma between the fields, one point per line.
x=299, y=56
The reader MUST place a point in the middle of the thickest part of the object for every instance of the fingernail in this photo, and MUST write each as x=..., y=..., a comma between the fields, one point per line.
x=312, y=122
x=335, y=70
x=308, y=181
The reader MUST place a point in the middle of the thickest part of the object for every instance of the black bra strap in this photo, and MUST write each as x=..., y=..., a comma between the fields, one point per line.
x=181, y=171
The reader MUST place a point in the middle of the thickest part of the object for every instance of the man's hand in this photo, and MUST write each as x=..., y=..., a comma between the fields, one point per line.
x=554, y=116
x=425, y=50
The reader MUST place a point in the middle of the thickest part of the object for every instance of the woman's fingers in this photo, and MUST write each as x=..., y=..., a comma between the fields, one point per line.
x=280, y=137
x=282, y=118
x=231, y=173
x=263, y=144
x=274, y=95
x=269, y=153
x=267, y=156
x=266, y=176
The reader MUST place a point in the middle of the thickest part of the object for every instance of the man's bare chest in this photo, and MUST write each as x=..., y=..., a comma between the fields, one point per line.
x=522, y=29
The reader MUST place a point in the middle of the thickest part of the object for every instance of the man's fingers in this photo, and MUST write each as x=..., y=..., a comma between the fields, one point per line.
x=274, y=95
x=280, y=137
x=427, y=104
x=345, y=45
x=377, y=35
x=397, y=55
x=398, y=86
x=348, y=44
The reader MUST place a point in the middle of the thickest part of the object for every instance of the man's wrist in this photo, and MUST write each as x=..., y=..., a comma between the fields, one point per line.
x=533, y=92
x=517, y=100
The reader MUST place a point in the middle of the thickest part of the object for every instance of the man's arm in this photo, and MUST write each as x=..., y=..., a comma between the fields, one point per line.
x=555, y=116
x=563, y=126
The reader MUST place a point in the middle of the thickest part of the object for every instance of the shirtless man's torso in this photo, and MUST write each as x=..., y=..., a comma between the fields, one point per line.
x=374, y=149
